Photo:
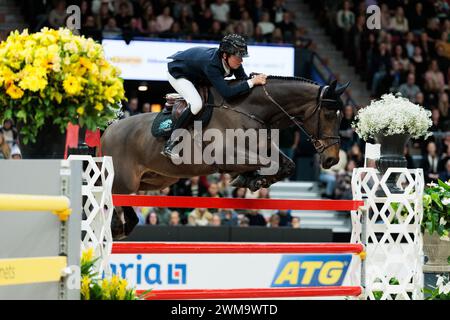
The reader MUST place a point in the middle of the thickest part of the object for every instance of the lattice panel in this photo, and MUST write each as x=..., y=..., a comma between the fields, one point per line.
x=98, y=175
x=392, y=232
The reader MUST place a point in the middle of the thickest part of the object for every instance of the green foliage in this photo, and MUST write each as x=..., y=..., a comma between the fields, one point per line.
x=436, y=209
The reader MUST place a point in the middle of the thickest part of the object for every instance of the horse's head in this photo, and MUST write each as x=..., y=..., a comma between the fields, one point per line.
x=322, y=124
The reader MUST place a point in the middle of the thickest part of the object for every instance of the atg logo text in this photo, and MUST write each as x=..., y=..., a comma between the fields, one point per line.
x=311, y=270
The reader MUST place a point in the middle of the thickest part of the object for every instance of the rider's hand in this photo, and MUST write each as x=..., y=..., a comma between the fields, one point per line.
x=259, y=79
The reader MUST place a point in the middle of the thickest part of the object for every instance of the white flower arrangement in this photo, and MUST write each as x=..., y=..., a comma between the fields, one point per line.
x=392, y=115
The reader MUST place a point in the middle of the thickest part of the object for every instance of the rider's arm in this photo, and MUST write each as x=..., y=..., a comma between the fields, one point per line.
x=227, y=91
x=240, y=74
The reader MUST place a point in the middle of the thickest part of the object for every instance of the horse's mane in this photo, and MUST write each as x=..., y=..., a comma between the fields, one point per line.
x=292, y=79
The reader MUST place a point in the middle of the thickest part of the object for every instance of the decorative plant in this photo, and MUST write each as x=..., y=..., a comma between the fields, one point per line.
x=442, y=289
x=436, y=209
x=56, y=75
x=94, y=288
x=392, y=115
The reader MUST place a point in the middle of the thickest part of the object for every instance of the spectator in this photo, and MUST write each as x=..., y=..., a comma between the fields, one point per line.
x=287, y=26
x=409, y=89
x=247, y=24
x=229, y=217
x=15, y=153
x=328, y=176
x=163, y=215
x=278, y=11
x=426, y=46
x=344, y=182
x=152, y=219
x=191, y=187
x=225, y=188
x=5, y=151
x=285, y=218
x=296, y=222
x=244, y=221
x=434, y=82
x=215, y=221
x=445, y=174
x=381, y=64
x=57, y=17
x=345, y=21
x=255, y=218
x=200, y=217
x=205, y=22
x=274, y=221
x=123, y=18
x=220, y=11
x=289, y=140
x=395, y=76
x=399, y=23
x=409, y=45
x=10, y=132
x=89, y=29
x=430, y=163
x=240, y=193
x=174, y=218
x=185, y=19
x=435, y=118
x=356, y=155
x=418, y=20
x=213, y=192
x=110, y=30
x=258, y=10
x=164, y=21
x=215, y=33
x=346, y=131
x=104, y=15
x=385, y=17
x=443, y=105
x=237, y=8
x=277, y=36
x=199, y=8
x=266, y=26
x=400, y=57
x=146, y=107
x=133, y=106
x=149, y=20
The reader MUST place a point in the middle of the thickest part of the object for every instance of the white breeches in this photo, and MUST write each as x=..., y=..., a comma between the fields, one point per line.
x=188, y=91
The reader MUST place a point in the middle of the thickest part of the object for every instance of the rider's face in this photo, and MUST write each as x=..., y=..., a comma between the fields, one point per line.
x=234, y=61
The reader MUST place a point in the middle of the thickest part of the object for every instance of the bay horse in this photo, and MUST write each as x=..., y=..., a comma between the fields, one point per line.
x=282, y=102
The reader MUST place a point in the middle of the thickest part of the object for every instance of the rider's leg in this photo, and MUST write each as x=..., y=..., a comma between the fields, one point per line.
x=195, y=104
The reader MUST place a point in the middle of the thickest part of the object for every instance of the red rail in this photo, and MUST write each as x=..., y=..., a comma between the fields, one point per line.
x=232, y=248
x=217, y=203
x=252, y=293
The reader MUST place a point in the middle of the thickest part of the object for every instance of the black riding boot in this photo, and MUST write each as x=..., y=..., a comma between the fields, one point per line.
x=183, y=121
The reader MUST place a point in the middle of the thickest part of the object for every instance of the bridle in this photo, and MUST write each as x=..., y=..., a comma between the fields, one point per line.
x=316, y=138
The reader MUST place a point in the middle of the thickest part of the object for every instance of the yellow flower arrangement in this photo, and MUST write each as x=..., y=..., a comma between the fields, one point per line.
x=95, y=288
x=58, y=76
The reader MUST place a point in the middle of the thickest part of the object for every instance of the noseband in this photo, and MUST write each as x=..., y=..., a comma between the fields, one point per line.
x=316, y=139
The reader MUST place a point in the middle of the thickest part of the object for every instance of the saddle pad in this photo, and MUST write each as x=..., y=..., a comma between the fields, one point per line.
x=163, y=123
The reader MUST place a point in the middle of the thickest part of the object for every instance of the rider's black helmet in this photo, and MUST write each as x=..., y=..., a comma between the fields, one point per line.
x=234, y=44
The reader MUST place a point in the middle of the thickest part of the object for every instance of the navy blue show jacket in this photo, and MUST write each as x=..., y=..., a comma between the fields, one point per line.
x=203, y=66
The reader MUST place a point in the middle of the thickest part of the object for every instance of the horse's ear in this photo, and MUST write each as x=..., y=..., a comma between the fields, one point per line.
x=333, y=86
x=341, y=89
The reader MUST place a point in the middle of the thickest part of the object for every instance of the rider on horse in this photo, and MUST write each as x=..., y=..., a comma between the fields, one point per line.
x=202, y=65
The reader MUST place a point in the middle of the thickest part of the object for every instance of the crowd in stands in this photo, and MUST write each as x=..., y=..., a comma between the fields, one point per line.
x=409, y=54
x=216, y=185
x=260, y=21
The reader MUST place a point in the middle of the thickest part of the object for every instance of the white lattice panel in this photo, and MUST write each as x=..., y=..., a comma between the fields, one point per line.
x=98, y=208
x=392, y=232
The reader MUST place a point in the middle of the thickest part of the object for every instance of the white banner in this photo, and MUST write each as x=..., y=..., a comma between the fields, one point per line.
x=234, y=271
x=147, y=60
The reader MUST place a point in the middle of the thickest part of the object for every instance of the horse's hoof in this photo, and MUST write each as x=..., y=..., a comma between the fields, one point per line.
x=255, y=185
x=238, y=182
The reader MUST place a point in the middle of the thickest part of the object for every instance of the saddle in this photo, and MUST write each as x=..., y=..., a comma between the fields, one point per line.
x=174, y=107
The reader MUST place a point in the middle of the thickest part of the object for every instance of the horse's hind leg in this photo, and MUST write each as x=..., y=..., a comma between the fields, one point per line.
x=124, y=218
